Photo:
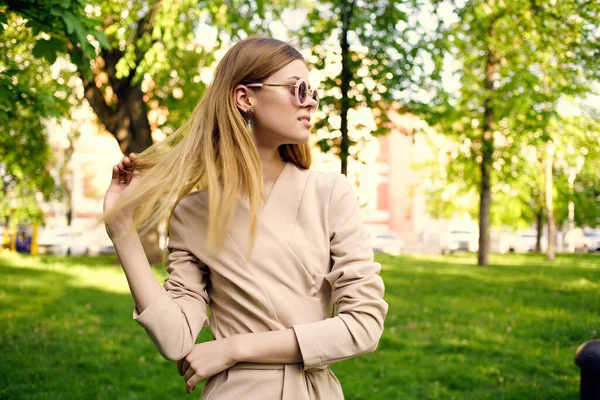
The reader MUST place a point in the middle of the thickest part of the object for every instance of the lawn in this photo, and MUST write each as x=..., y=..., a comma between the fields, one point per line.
x=454, y=331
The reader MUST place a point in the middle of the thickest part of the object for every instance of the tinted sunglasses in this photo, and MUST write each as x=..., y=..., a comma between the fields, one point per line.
x=301, y=90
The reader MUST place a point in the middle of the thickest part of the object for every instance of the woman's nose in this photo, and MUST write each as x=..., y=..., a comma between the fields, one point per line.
x=311, y=103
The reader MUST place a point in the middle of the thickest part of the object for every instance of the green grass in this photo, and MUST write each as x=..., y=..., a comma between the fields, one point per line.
x=453, y=331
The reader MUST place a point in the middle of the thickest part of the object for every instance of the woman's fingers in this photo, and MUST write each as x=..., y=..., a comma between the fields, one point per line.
x=127, y=161
x=189, y=375
x=185, y=366
x=180, y=367
x=115, y=174
x=190, y=389
x=190, y=383
x=125, y=168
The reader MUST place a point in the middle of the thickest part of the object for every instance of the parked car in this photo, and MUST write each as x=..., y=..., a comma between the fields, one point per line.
x=500, y=241
x=62, y=241
x=389, y=243
x=593, y=239
x=582, y=240
x=459, y=240
x=107, y=248
x=525, y=241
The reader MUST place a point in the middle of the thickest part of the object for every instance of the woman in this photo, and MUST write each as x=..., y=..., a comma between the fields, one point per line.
x=272, y=272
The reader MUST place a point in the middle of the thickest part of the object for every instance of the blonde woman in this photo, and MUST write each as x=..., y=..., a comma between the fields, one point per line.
x=272, y=247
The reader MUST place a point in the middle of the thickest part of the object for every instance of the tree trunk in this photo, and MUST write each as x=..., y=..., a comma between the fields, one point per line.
x=539, y=225
x=550, y=252
x=487, y=151
x=129, y=125
x=65, y=175
x=347, y=9
x=485, y=200
x=127, y=120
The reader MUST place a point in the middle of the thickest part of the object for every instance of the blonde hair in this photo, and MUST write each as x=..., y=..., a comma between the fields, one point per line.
x=213, y=150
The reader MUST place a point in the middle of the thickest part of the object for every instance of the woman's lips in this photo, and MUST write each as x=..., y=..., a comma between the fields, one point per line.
x=306, y=122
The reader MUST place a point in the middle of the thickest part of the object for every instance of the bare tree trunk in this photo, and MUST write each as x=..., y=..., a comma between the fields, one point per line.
x=127, y=118
x=550, y=252
x=128, y=122
x=347, y=9
x=65, y=174
x=485, y=200
x=487, y=150
x=549, y=163
x=539, y=225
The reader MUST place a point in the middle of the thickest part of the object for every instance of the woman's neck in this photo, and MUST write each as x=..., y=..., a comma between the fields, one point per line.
x=272, y=164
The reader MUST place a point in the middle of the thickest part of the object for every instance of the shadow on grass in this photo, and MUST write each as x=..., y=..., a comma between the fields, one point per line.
x=62, y=341
x=97, y=261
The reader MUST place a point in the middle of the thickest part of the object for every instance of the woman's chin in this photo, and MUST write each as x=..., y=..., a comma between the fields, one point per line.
x=299, y=138
x=303, y=137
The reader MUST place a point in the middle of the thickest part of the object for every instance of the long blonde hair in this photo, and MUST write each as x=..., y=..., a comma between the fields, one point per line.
x=213, y=150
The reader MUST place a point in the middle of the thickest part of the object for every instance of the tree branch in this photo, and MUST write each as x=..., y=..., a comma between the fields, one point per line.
x=96, y=99
x=145, y=25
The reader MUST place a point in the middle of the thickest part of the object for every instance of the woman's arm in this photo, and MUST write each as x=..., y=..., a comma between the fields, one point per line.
x=173, y=313
x=267, y=347
x=357, y=291
x=143, y=284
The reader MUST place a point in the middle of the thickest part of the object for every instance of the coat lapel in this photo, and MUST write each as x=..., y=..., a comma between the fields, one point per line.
x=280, y=211
x=288, y=281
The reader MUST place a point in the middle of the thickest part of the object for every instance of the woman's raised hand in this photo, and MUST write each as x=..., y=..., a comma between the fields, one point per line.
x=123, y=178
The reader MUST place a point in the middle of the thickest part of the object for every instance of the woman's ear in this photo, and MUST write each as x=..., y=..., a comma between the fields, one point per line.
x=243, y=97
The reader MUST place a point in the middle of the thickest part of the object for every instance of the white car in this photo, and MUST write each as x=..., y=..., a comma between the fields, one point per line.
x=524, y=242
x=389, y=243
x=459, y=240
x=582, y=240
x=593, y=237
x=62, y=241
x=500, y=241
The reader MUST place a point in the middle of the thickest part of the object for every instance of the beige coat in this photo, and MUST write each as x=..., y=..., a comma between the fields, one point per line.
x=312, y=253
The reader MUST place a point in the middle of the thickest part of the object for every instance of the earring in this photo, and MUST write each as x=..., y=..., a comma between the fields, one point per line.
x=249, y=115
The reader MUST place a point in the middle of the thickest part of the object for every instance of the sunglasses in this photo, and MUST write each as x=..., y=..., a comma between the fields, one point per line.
x=302, y=91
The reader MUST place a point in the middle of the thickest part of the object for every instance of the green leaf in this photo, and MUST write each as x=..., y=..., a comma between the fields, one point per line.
x=57, y=11
x=35, y=26
x=77, y=58
x=48, y=49
x=103, y=40
x=70, y=21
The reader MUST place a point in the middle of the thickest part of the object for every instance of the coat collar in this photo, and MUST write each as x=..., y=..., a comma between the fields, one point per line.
x=280, y=210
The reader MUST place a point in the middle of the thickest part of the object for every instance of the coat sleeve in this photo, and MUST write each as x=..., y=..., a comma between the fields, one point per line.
x=177, y=314
x=357, y=289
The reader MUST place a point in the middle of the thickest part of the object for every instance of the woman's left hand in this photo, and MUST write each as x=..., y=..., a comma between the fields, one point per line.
x=205, y=359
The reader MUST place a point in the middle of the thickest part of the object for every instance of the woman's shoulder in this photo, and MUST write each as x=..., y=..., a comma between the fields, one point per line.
x=192, y=201
x=328, y=181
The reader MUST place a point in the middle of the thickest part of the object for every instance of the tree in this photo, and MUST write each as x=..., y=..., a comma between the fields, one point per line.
x=375, y=54
x=517, y=59
x=576, y=170
x=28, y=96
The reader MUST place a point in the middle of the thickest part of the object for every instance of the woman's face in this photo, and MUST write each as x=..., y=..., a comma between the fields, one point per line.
x=279, y=118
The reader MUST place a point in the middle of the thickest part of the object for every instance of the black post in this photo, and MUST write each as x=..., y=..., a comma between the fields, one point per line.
x=587, y=358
